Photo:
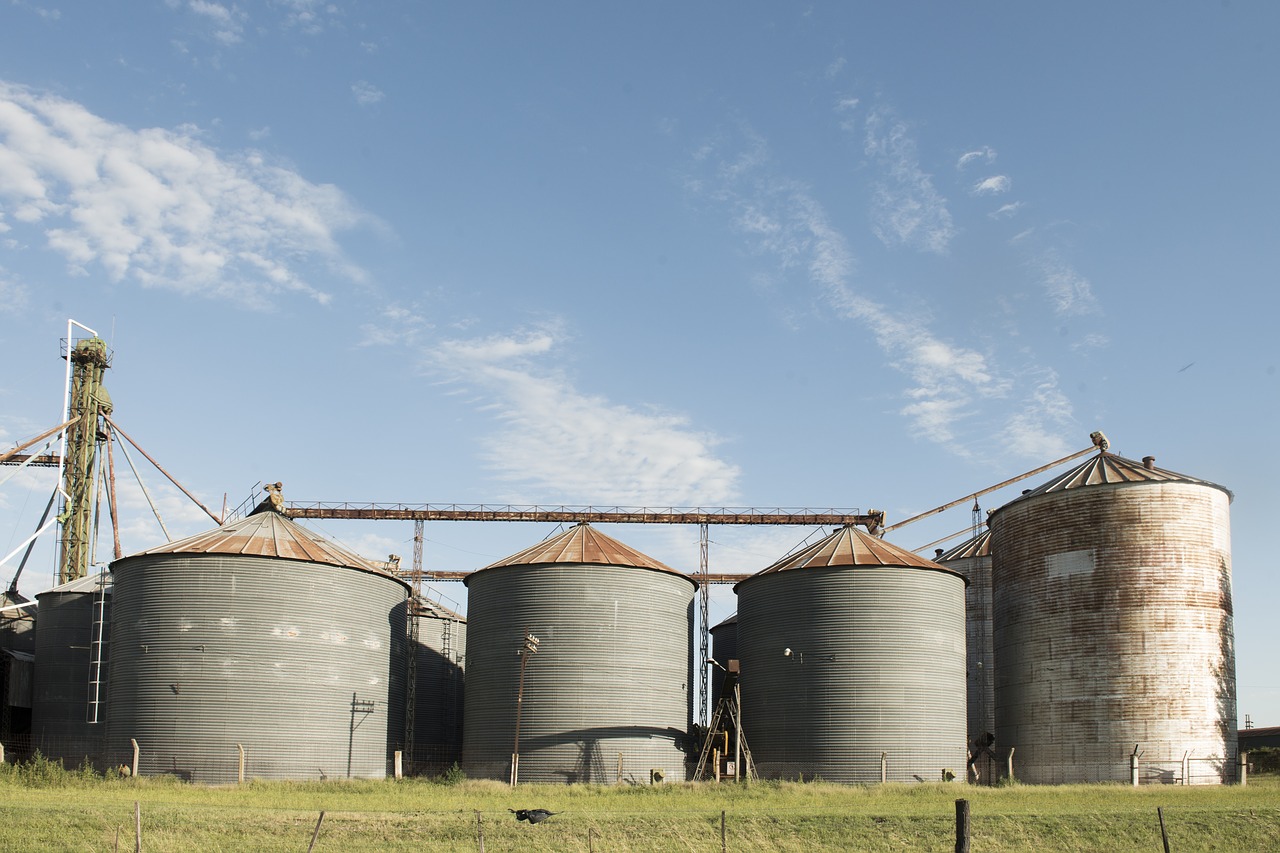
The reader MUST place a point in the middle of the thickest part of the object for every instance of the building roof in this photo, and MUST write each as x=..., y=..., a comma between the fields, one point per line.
x=1108, y=469
x=88, y=583
x=267, y=533
x=582, y=544
x=978, y=546
x=851, y=547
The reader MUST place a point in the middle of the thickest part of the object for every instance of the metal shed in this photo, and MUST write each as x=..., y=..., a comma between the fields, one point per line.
x=606, y=696
x=853, y=663
x=263, y=636
x=1113, y=626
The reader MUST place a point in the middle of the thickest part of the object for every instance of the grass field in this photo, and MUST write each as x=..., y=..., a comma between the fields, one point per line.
x=51, y=809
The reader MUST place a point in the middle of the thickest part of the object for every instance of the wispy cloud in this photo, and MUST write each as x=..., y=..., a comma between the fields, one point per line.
x=558, y=443
x=906, y=209
x=980, y=155
x=226, y=24
x=780, y=218
x=163, y=209
x=1006, y=210
x=366, y=93
x=1069, y=292
x=396, y=325
x=994, y=185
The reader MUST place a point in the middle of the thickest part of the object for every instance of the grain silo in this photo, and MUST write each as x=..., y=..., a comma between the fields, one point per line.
x=257, y=636
x=606, y=695
x=441, y=637
x=973, y=560
x=68, y=691
x=1113, y=626
x=853, y=664
x=724, y=648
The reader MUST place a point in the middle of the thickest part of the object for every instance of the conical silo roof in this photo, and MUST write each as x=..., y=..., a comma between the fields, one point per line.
x=849, y=546
x=1108, y=469
x=978, y=546
x=88, y=583
x=583, y=544
x=267, y=533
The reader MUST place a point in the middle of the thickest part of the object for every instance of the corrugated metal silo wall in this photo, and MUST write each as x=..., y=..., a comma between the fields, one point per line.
x=60, y=681
x=724, y=648
x=606, y=697
x=980, y=660
x=1113, y=627
x=302, y=664
x=17, y=633
x=877, y=665
x=437, y=728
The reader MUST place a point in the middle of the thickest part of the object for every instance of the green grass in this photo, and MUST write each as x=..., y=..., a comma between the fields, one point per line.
x=44, y=808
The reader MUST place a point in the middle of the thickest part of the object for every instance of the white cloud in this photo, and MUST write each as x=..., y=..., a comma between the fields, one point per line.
x=1068, y=292
x=13, y=294
x=782, y=219
x=227, y=24
x=981, y=155
x=906, y=209
x=1036, y=430
x=397, y=326
x=560, y=443
x=1006, y=210
x=161, y=208
x=366, y=93
x=993, y=185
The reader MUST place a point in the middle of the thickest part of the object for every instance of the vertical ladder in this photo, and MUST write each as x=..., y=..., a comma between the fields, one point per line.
x=93, y=712
x=411, y=680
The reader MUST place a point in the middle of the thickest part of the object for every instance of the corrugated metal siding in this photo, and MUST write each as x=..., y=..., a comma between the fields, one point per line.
x=611, y=677
x=973, y=560
x=208, y=651
x=877, y=664
x=724, y=648
x=1113, y=627
x=60, y=678
x=438, y=700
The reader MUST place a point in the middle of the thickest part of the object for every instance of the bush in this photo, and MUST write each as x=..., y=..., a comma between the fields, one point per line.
x=1265, y=759
x=453, y=775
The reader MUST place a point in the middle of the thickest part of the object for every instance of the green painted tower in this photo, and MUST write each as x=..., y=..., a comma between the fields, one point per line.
x=88, y=403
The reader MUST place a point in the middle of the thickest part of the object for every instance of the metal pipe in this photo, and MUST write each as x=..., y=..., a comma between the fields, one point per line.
x=145, y=493
x=181, y=488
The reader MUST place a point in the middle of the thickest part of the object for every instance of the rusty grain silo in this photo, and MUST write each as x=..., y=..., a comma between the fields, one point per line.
x=263, y=636
x=68, y=689
x=439, y=660
x=606, y=696
x=973, y=560
x=853, y=663
x=1113, y=626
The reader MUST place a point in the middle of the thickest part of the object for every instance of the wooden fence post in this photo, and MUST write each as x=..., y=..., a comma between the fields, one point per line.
x=1133, y=766
x=399, y=764
x=240, y=764
x=134, y=769
x=962, y=826
x=1010, y=764
x=137, y=827
x=723, y=839
x=1244, y=766
x=1164, y=836
x=884, y=767
x=316, y=834
x=480, y=830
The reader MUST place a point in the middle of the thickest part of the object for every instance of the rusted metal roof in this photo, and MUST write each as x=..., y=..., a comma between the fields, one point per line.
x=978, y=546
x=267, y=534
x=850, y=546
x=1109, y=469
x=583, y=544
x=428, y=609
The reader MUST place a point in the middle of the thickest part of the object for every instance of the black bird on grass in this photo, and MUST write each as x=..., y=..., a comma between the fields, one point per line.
x=532, y=815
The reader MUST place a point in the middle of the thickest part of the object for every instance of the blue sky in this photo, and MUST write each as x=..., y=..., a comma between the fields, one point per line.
x=782, y=255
